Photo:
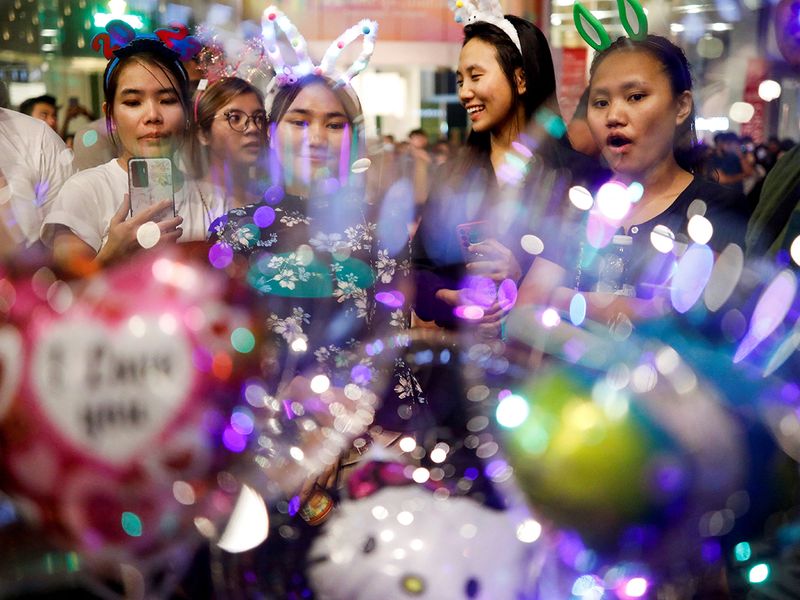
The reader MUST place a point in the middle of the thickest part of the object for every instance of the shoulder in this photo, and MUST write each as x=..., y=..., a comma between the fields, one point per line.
x=25, y=131
x=711, y=192
x=105, y=183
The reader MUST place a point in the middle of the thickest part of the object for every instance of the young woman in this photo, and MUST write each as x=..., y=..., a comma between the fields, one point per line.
x=228, y=138
x=506, y=90
x=641, y=115
x=147, y=113
x=331, y=271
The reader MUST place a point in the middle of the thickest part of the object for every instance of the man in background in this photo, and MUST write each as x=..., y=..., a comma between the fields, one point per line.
x=43, y=108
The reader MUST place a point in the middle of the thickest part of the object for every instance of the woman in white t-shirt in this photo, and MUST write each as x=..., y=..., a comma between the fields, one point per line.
x=147, y=112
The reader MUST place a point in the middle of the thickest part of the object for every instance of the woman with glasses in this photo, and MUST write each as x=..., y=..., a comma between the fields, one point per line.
x=147, y=115
x=229, y=137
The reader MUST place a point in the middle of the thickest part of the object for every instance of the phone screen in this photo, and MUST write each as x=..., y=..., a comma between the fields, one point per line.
x=150, y=182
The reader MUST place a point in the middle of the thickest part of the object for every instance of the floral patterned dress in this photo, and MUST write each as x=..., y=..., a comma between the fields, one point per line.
x=333, y=288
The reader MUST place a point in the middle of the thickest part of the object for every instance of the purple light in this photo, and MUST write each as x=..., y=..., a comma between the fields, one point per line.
x=202, y=359
x=274, y=194
x=570, y=548
x=480, y=291
x=495, y=468
x=470, y=312
x=599, y=232
x=264, y=216
x=241, y=422
x=220, y=255
x=294, y=505
x=790, y=393
x=233, y=441
x=361, y=374
x=711, y=551
x=507, y=293
x=636, y=587
x=471, y=473
x=391, y=299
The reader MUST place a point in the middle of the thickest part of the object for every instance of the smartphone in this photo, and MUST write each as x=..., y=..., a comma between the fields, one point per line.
x=471, y=233
x=73, y=101
x=150, y=182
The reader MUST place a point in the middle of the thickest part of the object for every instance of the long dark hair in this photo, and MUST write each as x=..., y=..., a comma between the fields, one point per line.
x=149, y=53
x=677, y=68
x=535, y=61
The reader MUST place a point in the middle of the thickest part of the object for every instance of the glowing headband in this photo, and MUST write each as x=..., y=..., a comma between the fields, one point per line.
x=484, y=11
x=288, y=73
x=583, y=18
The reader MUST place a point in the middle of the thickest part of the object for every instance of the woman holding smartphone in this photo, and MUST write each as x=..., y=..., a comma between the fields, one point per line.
x=506, y=81
x=228, y=139
x=147, y=113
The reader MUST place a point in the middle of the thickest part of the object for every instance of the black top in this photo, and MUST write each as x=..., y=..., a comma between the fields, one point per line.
x=636, y=263
x=539, y=209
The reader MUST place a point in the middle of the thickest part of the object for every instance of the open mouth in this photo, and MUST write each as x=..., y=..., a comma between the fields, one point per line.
x=474, y=110
x=617, y=141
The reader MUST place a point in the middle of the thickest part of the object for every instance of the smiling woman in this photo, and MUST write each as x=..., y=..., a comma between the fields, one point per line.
x=468, y=235
x=146, y=107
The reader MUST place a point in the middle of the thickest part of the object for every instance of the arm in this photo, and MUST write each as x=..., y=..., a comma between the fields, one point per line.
x=543, y=286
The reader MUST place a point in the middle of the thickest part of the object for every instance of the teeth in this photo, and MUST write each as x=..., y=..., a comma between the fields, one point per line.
x=474, y=109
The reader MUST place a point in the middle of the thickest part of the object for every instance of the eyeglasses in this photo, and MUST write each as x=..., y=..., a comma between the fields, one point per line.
x=239, y=120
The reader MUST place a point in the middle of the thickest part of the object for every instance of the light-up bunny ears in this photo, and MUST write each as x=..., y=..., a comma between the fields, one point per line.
x=286, y=73
x=602, y=41
x=486, y=11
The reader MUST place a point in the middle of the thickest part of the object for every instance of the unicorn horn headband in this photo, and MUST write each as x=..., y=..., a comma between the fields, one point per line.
x=583, y=18
x=287, y=73
x=485, y=11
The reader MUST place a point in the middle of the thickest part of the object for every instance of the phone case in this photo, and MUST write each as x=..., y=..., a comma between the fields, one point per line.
x=150, y=182
x=471, y=233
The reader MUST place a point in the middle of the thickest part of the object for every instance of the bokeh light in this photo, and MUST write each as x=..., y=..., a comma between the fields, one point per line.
x=512, y=411
x=769, y=90
x=758, y=573
x=148, y=234
x=613, y=201
x=580, y=197
x=741, y=112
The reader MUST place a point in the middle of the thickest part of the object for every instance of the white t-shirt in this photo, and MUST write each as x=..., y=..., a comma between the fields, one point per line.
x=34, y=164
x=90, y=198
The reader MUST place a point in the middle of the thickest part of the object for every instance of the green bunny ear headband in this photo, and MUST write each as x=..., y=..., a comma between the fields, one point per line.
x=600, y=41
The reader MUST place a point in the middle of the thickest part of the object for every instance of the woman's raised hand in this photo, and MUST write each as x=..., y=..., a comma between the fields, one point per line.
x=123, y=229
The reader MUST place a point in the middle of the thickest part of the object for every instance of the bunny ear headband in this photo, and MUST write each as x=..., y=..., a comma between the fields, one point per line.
x=120, y=40
x=600, y=41
x=289, y=72
x=485, y=11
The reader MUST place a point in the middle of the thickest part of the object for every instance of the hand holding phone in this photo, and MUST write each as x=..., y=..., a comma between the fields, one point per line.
x=149, y=183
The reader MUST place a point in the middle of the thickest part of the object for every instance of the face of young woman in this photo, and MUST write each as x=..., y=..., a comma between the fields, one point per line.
x=633, y=113
x=148, y=117
x=312, y=135
x=484, y=89
x=226, y=144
